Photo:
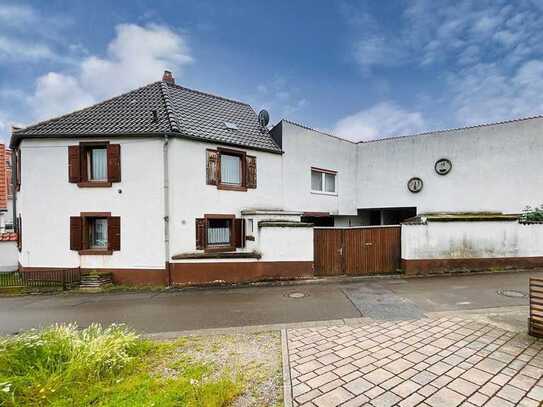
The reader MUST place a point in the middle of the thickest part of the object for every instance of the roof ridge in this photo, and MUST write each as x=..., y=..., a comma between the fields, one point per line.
x=174, y=125
x=208, y=94
x=24, y=129
x=475, y=126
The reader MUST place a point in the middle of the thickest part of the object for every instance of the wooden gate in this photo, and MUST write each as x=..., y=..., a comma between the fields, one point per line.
x=357, y=250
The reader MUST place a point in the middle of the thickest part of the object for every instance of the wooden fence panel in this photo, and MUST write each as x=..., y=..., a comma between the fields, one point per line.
x=41, y=278
x=535, y=322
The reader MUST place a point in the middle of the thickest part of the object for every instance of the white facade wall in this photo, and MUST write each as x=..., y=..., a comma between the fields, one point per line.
x=286, y=243
x=47, y=200
x=191, y=197
x=9, y=256
x=305, y=148
x=460, y=240
x=495, y=168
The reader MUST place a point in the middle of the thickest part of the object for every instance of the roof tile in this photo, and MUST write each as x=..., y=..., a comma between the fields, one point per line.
x=179, y=110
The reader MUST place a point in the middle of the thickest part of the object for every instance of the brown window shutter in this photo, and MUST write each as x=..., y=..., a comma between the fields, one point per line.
x=74, y=164
x=251, y=172
x=239, y=232
x=19, y=233
x=200, y=233
x=76, y=233
x=114, y=233
x=114, y=162
x=212, y=167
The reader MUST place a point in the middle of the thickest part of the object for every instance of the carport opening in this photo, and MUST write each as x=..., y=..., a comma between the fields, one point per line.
x=387, y=216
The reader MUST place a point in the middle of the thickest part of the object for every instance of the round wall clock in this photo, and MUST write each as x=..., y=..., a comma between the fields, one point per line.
x=443, y=166
x=415, y=184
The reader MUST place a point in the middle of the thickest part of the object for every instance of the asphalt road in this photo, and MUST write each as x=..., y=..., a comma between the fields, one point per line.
x=220, y=308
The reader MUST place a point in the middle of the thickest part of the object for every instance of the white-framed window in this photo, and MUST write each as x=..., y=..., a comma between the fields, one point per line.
x=323, y=181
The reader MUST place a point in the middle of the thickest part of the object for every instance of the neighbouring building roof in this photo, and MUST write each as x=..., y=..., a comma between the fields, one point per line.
x=157, y=109
x=8, y=237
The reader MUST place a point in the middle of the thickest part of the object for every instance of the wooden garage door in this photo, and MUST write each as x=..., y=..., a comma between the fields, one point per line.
x=357, y=251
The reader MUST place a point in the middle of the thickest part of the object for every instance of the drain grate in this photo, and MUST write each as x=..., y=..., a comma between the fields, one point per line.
x=512, y=293
x=296, y=294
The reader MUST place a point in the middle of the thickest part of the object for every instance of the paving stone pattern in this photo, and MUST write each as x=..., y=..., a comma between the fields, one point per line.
x=426, y=362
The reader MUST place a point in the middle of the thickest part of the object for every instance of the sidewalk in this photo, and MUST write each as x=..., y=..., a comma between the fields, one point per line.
x=427, y=362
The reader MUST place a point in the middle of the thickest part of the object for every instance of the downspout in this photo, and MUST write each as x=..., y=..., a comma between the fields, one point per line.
x=14, y=167
x=166, y=209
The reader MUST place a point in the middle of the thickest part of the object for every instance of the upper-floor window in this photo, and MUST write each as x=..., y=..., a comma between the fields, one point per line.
x=230, y=169
x=97, y=163
x=323, y=181
x=94, y=164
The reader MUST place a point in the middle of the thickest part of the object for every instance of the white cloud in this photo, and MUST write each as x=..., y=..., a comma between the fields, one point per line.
x=56, y=93
x=14, y=50
x=383, y=120
x=136, y=56
x=26, y=35
x=485, y=93
x=376, y=51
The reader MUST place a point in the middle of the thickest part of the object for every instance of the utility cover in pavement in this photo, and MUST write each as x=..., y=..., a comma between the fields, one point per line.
x=376, y=302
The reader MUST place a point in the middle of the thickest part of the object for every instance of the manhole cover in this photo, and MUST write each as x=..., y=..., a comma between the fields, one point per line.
x=296, y=295
x=512, y=293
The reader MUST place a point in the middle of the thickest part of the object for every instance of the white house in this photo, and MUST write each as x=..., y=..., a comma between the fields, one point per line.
x=170, y=185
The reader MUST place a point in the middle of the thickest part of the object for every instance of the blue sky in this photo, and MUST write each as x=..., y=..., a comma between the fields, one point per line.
x=361, y=70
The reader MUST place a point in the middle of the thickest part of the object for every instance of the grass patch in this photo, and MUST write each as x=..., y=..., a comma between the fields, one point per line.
x=65, y=366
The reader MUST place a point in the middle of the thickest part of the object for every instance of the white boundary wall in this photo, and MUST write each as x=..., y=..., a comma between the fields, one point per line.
x=461, y=240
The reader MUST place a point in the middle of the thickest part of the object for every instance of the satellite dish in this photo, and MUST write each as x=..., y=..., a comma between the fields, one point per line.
x=263, y=118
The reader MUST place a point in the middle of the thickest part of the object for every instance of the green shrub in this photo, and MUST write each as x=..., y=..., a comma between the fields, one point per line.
x=36, y=364
x=530, y=214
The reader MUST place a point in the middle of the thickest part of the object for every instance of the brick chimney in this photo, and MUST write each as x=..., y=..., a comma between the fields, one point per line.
x=168, y=78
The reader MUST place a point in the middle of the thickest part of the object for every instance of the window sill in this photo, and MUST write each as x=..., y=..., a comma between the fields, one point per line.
x=219, y=255
x=95, y=252
x=94, y=184
x=225, y=187
x=220, y=249
x=324, y=193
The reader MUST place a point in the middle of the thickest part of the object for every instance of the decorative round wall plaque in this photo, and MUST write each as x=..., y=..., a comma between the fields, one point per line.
x=415, y=184
x=443, y=166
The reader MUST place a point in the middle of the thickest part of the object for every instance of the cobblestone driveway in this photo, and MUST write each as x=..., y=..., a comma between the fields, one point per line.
x=427, y=362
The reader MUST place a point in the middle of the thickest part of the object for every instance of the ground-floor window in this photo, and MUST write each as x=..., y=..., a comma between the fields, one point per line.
x=95, y=233
x=219, y=233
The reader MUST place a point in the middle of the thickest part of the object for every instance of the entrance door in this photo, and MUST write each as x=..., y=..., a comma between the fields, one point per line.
x=357, y=251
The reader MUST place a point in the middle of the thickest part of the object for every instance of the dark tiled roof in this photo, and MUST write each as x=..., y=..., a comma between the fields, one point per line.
x=180, y=112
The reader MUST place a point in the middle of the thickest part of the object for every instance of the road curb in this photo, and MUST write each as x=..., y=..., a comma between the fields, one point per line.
x=254, y=328
x=287, y=382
